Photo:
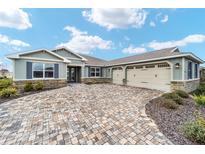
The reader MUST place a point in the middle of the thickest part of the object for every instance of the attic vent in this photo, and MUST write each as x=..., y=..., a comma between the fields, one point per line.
x=117, y=68
x=130, y=67
x=139, y=67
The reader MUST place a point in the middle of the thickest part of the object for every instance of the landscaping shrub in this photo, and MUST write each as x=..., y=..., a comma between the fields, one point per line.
x=167, y=103
x=7, y=92
x=182, y=94
x=28, y=87
x=200, y=90
x=38, y=86
x=200, y=100
x=195, y=130
x=173, y=96
x=4, y=83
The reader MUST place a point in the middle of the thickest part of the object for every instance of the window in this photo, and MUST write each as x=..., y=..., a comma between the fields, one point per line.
x=196, y=71
x=139, y=67
x=94, y=71
x=37, y=70
x=41, y=70
x=189, y=70
x=49, y=70
x=163, y=65
x=149, y=66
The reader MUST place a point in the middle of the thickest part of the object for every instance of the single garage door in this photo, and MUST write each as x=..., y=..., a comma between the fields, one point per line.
x=117, y=76
x=156, y=76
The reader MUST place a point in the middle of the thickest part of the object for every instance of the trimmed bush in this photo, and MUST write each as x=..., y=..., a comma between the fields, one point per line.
x=28, y=87
x=195, y=130
x=38, y=86
x=7, y=92
x=4, y=83
x=167, y=103
x=182, y=94
x=173, y=96
x=200, y=90
x=200, y=100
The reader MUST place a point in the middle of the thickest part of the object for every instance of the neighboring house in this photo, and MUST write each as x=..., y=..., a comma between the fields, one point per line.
x=165, y=69
x=5, y=73
x=202, y=74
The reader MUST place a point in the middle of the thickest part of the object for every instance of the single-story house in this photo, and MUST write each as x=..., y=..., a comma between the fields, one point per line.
x=166, y=69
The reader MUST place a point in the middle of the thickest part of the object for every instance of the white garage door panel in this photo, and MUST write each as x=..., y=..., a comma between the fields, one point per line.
x=118, y=77
x=153, y=78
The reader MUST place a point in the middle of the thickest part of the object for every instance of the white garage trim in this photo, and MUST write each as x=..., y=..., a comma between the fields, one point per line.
x=118, y=75
x=153, y=77
x=165, y=61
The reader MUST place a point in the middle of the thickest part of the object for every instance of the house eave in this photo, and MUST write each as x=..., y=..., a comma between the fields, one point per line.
x=161, y=58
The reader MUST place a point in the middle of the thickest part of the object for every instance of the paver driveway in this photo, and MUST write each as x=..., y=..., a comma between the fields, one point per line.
x=80, y=114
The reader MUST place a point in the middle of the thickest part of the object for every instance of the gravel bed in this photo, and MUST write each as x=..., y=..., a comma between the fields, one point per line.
x=170, y=121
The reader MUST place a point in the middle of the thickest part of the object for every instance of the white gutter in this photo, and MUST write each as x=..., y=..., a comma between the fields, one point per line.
x=42, y=59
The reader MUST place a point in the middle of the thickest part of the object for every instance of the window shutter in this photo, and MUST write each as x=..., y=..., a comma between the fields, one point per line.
x=101, y=72
x=88, y=71
x=28, y=70
x=56, y=70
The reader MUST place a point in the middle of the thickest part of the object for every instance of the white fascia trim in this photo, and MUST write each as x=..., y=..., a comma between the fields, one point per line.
x=40, y=59
x=96, y=65
x=63, y=47
x=194, y=56
x=169, y=57
x=75, y=65
x=34, y=51
x=74, y=58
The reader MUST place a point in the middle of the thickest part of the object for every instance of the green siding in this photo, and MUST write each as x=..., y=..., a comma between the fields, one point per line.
x=177, y=72
x=20, y=69
x=41, y=54
x=76, y=62
x=62, y=70
x=64, y=54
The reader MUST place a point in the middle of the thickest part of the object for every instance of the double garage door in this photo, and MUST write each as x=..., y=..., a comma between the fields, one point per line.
x=151, y=76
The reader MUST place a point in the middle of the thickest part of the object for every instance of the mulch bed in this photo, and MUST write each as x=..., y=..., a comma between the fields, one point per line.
x=170, y=121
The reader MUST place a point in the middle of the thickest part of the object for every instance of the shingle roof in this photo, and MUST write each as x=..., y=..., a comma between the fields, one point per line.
x=146, y=56
x=94, y=61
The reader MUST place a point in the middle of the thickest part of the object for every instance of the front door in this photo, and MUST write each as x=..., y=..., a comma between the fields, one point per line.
x=73, y=74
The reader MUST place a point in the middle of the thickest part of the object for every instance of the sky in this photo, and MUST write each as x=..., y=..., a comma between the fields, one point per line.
x=103, y=33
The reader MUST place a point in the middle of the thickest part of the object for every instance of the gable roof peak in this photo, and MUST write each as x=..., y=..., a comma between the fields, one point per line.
x=69, y=50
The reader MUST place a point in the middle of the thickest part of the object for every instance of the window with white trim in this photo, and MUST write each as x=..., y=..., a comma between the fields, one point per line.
x=94, y=71
x=41, y=70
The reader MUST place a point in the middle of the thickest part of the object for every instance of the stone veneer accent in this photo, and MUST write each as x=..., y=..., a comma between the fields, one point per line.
x=48, y=84
x=187, y=86
x=96, y=80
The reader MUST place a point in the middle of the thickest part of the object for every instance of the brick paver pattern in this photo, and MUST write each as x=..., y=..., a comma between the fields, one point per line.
x=81, y=114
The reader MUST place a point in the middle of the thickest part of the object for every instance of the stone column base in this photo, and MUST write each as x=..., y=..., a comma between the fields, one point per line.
x=48, y=84
x=187, y=86
x=95, y=80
